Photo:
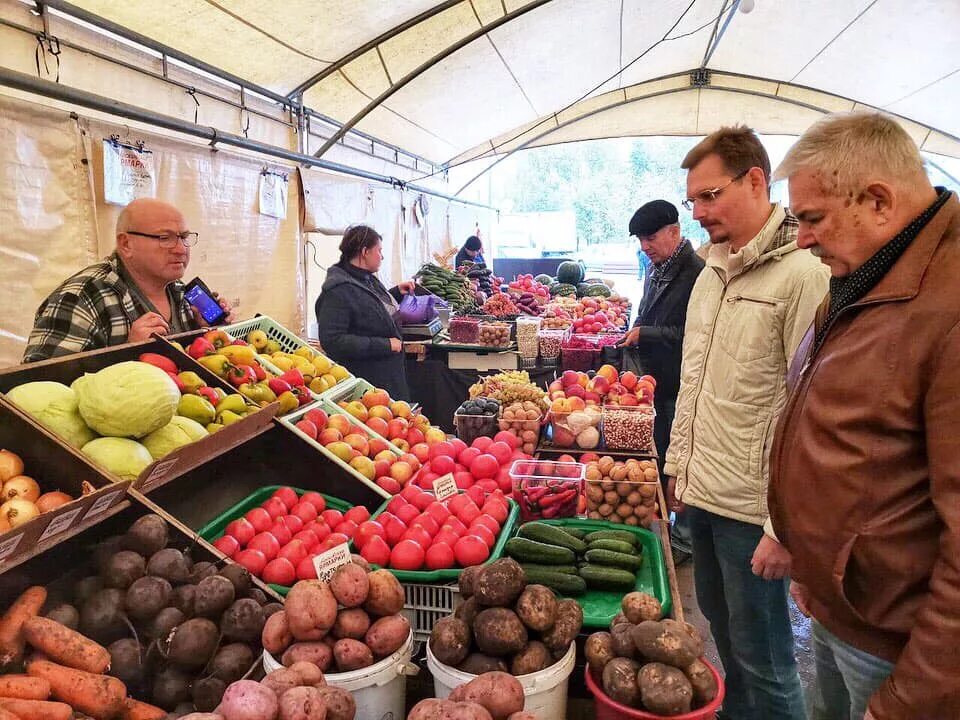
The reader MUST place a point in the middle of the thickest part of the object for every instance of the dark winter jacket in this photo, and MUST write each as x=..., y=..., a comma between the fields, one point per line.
x=661, y=317
x=355, y=328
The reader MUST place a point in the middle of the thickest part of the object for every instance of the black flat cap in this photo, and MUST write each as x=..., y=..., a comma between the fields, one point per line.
x=653, y=216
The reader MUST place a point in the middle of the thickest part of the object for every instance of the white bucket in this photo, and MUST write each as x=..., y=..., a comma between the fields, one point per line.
x=380, y=690
x=545, y=692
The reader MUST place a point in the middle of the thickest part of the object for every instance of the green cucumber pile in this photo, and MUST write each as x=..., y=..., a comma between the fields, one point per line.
x=572, y=561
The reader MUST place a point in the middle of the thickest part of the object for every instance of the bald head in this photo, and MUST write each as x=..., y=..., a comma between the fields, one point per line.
x=144, y=212
x=139, y=227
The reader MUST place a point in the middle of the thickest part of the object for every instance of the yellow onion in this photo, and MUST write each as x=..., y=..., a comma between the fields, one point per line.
x=10, y=465
x=17, y=512
x=21, y=486
x=52, y=500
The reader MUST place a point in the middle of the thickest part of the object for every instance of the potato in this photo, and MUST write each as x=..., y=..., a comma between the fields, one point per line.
x=302, y=703
x=665, y=642
x=500, y=583
x=340, y=703
x=464, y=711
x=350, y=585
x=276, y=636
x=232, y=662
x=620, y=681
x=207, y=692
x=565, y=629
x=387, y=635
x=429, y=709
x=200, y=716
x=248, y=700
x=192, y=643
x=703, y=682
x=318, y=653
x=599, y=650
x=533, y=658
x=468, y=579
x=690, y=630
x=664, y=690
x=467, y=610
x=243, y=621
x=311, y=609
x=351, y=655
x=385, y=596
x=537, y=607
x=308, y=673
x=498, y=631
x=523, y=715
x=501, y=694
x=351, y=623
x=639, y=606
x=478, y=663
x=450, y=640
x=361, y=561
x=281, y=680
x=618, y=619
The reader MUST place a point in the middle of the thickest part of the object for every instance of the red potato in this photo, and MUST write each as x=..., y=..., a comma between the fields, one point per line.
x=429, y=709
x=351, y=623
x=311, y=609
x=340, y=703
x=202, y=716
x=318, y=653
x=276, y=636
x=351, y=655
x=385, y=596
x=499, y=692
x=464, y=711
x=281, y=680
x=248, y=700
x=387, y=635
x=350, y=585
x=308, y=673
x=522, y=715
x=303, y=703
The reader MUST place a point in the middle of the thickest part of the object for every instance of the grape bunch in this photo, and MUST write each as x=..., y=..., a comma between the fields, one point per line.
x=509, y=387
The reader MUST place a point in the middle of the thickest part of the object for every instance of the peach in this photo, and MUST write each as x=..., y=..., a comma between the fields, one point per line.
x=358, y=410
x=372, y=398
x=379, y=411
x=378, y=425
x=377, y=446
x=401, y=472
x=364, y=466
x=385, y=455
x=328, y=436
x=628, y=380
x=341, y=450
x=340, y=422
x=400, y=409
x=382, y=467
x=434, y=435
x=358, y=442
x=402, y=444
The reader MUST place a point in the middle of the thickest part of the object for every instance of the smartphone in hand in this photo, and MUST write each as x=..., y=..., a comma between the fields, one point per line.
x=199, y=295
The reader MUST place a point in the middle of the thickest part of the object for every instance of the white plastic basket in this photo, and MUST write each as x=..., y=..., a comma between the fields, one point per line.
x=424, y=605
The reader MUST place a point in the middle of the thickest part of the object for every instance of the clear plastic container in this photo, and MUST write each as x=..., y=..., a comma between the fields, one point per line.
x=494, y=334
x=464, y=330
x=575, y=433
x=546, y=489
x=629, y=427
x=621, y=491
x=470, y=427
x=527, y=341
x=549, y=342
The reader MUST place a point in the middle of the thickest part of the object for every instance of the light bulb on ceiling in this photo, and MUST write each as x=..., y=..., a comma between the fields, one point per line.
x=746, y=6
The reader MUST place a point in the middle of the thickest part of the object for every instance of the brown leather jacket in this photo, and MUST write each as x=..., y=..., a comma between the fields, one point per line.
x=865, y=475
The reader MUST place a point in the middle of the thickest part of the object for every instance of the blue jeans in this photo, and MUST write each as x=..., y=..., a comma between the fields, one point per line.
x=749, y=620
x=846, y=678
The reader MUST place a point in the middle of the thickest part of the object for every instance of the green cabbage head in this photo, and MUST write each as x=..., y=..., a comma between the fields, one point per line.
x=54, y=406
x=178, y=432
x=129, y=399
x=124, y=458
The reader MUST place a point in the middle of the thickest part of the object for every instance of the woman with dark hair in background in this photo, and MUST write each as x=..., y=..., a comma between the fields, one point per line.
x=356, y=314
x=472, y=251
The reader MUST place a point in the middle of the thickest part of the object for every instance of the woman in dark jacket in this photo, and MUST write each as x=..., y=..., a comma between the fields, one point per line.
x=472, y=251
x=356, y=314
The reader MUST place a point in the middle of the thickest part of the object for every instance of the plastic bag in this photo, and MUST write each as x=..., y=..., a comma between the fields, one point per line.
x=417, y=309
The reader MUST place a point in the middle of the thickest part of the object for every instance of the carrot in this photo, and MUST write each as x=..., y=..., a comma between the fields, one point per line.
x=7, y=715
x=37, y=709
x=11, y=624
x=24, y=687
x=66, y=646
x=99, y=696
x=136, y=710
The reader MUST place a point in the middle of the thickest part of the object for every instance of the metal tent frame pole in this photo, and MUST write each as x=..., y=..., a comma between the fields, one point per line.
x=82, y=98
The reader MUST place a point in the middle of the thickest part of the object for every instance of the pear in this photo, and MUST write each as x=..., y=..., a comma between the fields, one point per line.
x=196, y=408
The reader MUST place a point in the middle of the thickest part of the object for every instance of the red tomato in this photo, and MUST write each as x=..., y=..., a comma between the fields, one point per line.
x=408, y=494
x=501, y=451
x=488, y=486
x=471, y=550
x=485, y=466
x=504, y=481
x=376, y=551
x=483, y=532
x=332, y=517
x=488, y=521
x=420, y=536
x=227, y=544
x=305, y=511
x=280, y=572
x=482, y=443
x=367, y=530
x=396, y=503
x=357, y=514
x=458, y=446
x=393, y=529
x=266, y=544
x=306, y=569
x=440, y=556
x=389, y=484
x=438, y=511
x=241, y=530
x=281, y=532
x=423, y=501
x=294, y=551
x=294, y=522
x=505, y=436
x=347, y=527
x=275, y=507
x=442, y=465
x=253, y=560
x=495, y=510
x=408, y=514
x=463, y=479
x=468, y=456
x=309, y=539
x=315, y=499
x=333, y=540
x=407, y=555
x=469, y=513
x=287, y=495
x=259, y=518
x=454, y=523
x=321, y=529
x=456, y=503
x=440, y=449
x=446, y=536
x=427, y=522
x=477, y=494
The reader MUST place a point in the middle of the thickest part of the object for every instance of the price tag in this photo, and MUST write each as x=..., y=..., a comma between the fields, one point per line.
x=100, y=505
x=9, y=545
x=445, y=486
x=159, y=473
x=60, y=523
x=326, y=562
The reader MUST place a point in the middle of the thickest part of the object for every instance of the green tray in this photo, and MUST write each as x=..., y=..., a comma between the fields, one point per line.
x=433, y=576
x=214, y=529
x=601, y=606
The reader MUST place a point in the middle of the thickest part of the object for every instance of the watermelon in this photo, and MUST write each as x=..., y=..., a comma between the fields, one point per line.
x=545, y=280
x=563, y=289
x=570, y=273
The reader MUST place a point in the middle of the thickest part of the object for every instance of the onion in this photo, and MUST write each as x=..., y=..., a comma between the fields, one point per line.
x=10, y=465
x=21, y=486
x=17, y=512
x=52, y=500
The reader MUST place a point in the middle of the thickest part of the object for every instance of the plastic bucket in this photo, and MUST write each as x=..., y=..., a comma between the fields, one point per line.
x=545, y=692
x=607, y=709
x=380, y=690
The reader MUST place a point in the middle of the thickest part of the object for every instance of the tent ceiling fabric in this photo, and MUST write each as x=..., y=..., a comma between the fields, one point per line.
x=899, y=55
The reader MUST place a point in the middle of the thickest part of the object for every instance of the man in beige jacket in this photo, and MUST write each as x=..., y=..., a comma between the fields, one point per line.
x=749, y=309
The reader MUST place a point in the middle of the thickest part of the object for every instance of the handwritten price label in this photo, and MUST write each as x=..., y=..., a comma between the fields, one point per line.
x=444, y=487
x=327, y=562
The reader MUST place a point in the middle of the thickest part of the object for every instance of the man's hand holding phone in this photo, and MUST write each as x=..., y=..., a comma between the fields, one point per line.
x=146, y=325
x=224, y=305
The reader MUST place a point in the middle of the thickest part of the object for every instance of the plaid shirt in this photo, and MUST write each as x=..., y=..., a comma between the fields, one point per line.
x=94, y=309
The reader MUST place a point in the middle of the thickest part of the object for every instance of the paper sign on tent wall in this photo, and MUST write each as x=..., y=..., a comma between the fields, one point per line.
x=273, y=195
x=128, y=173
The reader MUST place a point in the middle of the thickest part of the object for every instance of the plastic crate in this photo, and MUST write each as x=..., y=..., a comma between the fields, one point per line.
x=347, y=391
x=424, y=605
x=214, y=529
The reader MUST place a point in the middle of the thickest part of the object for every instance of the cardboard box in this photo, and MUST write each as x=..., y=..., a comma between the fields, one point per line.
x=68, y=368
x=55, y=466
x=482, y=361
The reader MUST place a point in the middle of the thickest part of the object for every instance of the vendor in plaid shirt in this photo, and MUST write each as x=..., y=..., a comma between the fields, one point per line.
x=135, y=292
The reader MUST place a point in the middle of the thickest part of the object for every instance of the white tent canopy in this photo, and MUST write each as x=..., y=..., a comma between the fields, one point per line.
x=453, y=81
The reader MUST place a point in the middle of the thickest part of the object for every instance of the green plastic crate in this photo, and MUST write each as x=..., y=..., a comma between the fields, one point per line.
x=600, y=606
x=439, y=576
x=214, y=529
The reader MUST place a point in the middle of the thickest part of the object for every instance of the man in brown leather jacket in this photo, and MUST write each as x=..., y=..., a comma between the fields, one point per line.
x=865, y=466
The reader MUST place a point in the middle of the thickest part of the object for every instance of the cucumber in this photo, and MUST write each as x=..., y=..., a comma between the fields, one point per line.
x=578, y=534
x=531, y=551
x=551, y=535
x=621, y=535
x=599, y=577
x=614, y=559
x=615, y=545
x=563, y=583
x=568, y=569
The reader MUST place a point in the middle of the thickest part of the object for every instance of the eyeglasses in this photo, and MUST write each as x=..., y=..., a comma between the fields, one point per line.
x=169, y=240
x=708, y=196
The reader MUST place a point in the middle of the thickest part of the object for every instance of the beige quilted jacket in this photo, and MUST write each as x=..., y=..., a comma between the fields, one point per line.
x=747, y=314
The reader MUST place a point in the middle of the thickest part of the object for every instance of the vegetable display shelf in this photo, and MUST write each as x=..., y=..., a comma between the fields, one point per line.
x=601, y=606
x=214, y=529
